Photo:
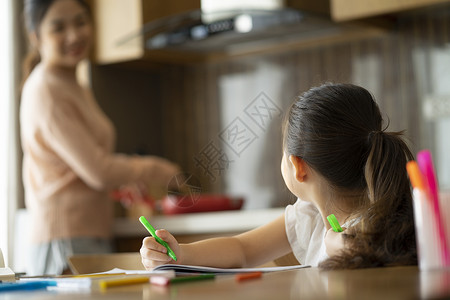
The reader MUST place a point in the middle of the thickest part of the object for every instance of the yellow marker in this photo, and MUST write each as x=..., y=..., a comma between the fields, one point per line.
x=104, y=284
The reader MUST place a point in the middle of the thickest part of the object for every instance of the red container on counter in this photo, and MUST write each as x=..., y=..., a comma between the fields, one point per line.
x=180, y=204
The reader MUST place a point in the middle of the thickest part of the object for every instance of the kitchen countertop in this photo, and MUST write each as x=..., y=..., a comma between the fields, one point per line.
x=232, y=221
x=200, y=223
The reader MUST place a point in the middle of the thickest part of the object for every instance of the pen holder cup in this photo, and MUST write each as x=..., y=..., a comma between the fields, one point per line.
x=430, y=244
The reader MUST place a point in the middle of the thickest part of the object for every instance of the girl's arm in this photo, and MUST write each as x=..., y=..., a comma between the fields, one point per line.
x=249, y=249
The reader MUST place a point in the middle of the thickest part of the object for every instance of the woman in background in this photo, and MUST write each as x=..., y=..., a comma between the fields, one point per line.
x=69, y=166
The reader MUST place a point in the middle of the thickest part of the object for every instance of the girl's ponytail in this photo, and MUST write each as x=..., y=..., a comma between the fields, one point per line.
x=385, y=234
x=385, y=170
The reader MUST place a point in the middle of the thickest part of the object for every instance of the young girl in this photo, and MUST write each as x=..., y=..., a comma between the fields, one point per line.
x=337, y=159
x=69, y=165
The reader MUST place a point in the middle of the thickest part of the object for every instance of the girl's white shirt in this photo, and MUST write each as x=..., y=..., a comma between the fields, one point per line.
x=306, y=232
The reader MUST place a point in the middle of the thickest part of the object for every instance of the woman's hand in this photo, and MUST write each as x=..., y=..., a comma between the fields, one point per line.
x=334, y=241
x=130, y=194
x=154, y=254
x=162, y=171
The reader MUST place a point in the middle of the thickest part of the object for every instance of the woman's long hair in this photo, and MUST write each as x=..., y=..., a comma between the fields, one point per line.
x=34, y=12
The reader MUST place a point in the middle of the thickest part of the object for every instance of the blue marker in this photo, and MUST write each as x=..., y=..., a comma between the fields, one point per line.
x=26, y=286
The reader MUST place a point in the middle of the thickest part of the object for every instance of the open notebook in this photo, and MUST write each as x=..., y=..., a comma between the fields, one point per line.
x=183, y=269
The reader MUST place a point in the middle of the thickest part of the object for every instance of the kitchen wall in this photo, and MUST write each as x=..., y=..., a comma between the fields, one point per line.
x=222, y=121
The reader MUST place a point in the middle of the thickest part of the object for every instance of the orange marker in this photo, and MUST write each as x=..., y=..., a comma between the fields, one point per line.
x=247, y=276
x=415, y=176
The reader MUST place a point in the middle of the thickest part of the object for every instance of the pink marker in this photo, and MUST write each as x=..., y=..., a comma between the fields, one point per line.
x=426, y=166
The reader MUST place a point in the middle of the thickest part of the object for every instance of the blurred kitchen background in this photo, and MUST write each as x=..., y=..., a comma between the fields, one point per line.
x=216, y=104
x=206, y=83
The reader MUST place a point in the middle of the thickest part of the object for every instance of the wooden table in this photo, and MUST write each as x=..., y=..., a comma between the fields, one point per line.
x=310, y=283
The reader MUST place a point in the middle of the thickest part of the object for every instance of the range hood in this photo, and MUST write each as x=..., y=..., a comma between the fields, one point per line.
x=197, y=29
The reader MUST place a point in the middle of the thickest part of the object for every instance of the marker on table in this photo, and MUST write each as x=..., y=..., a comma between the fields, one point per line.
x=26, y=286
x=247, y=276
x=334, y=223
x=106, y=283
x=163, y=280
x=157, y=238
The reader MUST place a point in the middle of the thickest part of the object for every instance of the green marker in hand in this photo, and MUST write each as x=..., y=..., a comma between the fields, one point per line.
x=157, y=238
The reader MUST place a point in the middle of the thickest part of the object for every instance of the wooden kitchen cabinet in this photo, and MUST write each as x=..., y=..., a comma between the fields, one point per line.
x=118, y=19
x=344, y=10
x=115, y=20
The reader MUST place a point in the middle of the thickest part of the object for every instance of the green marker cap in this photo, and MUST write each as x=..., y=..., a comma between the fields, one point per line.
x=334, y=223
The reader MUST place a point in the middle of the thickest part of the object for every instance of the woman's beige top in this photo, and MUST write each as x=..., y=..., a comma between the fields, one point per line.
x=69, y=166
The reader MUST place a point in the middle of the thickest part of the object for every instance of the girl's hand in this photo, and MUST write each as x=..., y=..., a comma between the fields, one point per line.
x=154, y=254
x=334, y=241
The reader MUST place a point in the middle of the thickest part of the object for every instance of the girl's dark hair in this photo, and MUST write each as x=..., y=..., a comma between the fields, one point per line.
x=337, y=130
x=34, y=12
